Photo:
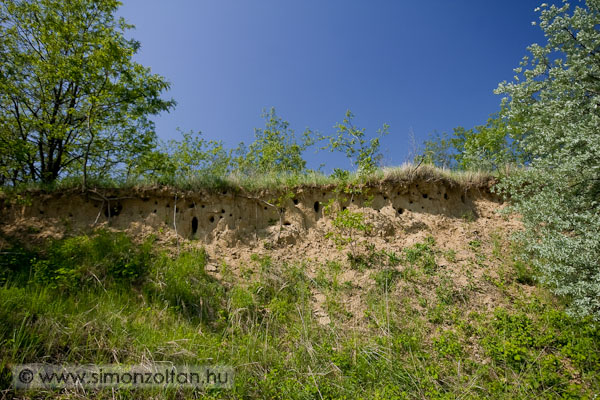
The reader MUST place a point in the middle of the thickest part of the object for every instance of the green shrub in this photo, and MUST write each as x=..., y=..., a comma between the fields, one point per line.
x=545, y=352
x=275, y=149
x=102, y=258
x=364, y=154
x=554, y=100
x=512, y=340
x=423, y=255
x=448, y=344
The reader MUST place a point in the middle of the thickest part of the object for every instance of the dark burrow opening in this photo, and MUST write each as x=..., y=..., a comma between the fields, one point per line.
x=115, y=209
x=316, y=206
x=194, y=225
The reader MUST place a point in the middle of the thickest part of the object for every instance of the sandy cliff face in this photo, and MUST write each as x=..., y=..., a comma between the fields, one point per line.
x=235, y=218
x=237, y=228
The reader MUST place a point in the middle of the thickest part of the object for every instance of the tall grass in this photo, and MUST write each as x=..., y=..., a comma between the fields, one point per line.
x=264, y=326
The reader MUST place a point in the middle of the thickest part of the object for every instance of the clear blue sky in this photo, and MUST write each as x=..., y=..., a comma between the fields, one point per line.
x=417, y=65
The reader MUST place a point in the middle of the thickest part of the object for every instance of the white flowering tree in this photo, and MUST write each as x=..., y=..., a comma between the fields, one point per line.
x=555, y=100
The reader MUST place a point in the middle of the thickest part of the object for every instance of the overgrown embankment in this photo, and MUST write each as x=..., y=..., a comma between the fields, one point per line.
x=388, y=289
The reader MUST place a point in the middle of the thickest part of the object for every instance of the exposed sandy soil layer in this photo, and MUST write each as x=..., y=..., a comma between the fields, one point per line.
x=233, y=226
x=232, y=219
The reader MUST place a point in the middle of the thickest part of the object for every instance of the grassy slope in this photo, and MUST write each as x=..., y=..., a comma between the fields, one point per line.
x=102, y=299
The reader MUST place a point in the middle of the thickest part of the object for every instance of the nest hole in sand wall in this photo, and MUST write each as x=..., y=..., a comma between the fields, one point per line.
x=194, y=225
x=317, y=206
x=115, y=209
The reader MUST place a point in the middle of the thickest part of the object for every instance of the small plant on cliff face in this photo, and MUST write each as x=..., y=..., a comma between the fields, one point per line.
x=423, y=255
x=279, y=202
x=348, y=225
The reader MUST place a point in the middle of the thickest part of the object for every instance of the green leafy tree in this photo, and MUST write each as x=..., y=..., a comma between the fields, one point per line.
x=555, y=101
x=275, y=148
x=485, y=147
x=489, y=147
x=186, y=158
x=72, y=100
x=364, y=153
x=438, y=150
